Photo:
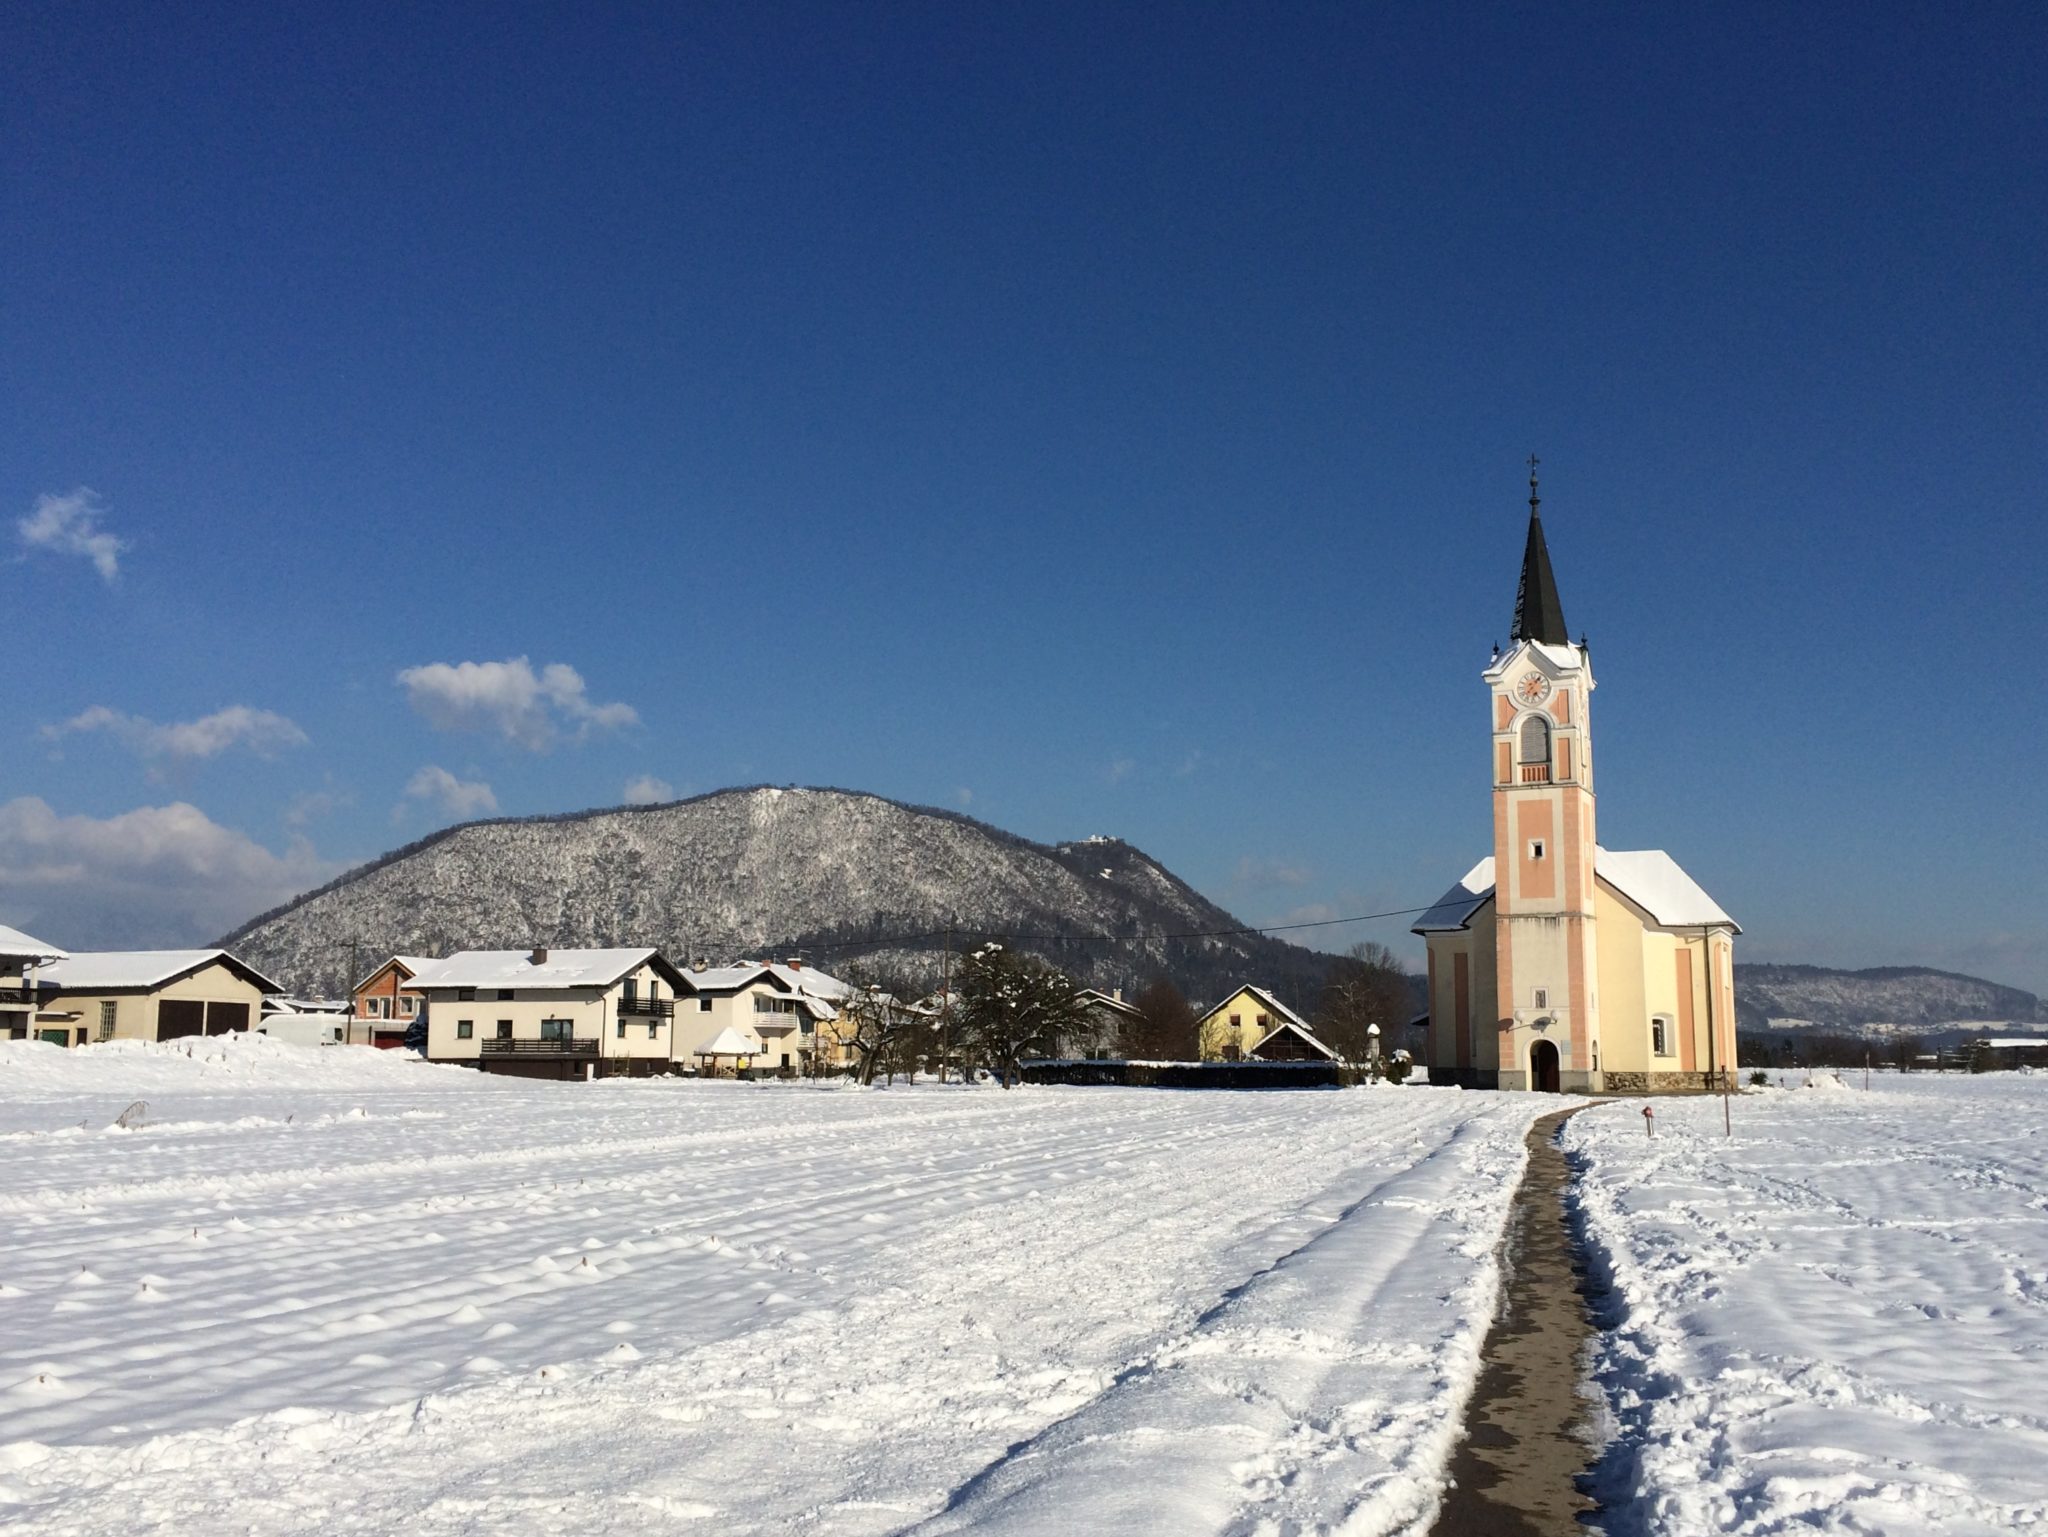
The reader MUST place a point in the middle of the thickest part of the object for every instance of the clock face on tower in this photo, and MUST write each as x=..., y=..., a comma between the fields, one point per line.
x=1532, y=688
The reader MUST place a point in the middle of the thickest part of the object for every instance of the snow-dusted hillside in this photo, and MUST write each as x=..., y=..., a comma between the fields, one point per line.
x=1854, y=1002
x=762, y=871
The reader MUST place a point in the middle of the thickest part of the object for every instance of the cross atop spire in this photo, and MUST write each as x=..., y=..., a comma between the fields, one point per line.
x=1539, y=615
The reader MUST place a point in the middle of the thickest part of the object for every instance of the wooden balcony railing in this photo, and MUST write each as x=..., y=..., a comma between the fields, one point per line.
x=652, y=1008
x=1535, y=773
x=557, y=1048
x=16, y=995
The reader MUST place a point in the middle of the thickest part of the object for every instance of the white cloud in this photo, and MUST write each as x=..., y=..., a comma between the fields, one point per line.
x=965, y=796
x=451, y=796
x=70, y=525
x=310, y=806
x=263, y=732
x=647, y=790
x=1120, y=769
x=154, y=876
x=1263, y=874
x=510, y=698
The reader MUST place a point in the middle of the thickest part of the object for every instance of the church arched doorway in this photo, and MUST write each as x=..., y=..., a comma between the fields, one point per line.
x=1543, y=1067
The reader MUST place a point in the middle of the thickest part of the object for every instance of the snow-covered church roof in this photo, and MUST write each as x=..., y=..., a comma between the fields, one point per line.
x=1650, y=878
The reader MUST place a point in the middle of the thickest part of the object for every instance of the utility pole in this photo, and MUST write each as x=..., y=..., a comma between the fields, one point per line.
x=946, y=1004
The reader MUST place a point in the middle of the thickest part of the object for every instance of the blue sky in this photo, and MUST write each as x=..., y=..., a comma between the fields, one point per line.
x=1095, y=419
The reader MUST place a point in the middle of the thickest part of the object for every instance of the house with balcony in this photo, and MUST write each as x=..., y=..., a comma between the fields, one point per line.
x=553, y=1013
x=782, y=1015
x=150, y=995
x=22, y=958
x=385, y=1004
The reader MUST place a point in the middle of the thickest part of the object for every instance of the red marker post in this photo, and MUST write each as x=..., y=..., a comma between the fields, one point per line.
x=1649, y=1121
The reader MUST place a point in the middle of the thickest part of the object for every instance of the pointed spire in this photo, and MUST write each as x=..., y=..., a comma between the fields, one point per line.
x=1538, y=613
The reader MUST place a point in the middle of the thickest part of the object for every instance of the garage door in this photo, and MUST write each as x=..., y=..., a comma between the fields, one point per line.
x=223, y=1017
x=180, y=1016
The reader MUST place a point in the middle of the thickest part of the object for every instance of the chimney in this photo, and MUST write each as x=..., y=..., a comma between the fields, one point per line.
x=795, y=964
x=539, y=956
x=1117, y=993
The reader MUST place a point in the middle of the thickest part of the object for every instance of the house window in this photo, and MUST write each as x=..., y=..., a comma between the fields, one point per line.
x=1535, y=848
x=1542, y=998
x=632, y=991
x=1660, y=1035
x=1236, y=1021
x=703, y=1005
x=622, y=1029
x=504, y=1029
x=557, y=1029
x=106, y=1019
x=409, y=1005
x=650, y=1031
x=465, y=995
x=504, y=995
x=464, y=1029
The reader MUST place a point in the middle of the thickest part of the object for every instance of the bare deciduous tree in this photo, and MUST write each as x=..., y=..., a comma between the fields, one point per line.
x=1368, y=986
x=1165, y=1028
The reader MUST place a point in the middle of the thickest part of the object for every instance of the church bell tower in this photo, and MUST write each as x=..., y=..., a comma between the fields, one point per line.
x=1546, y=1003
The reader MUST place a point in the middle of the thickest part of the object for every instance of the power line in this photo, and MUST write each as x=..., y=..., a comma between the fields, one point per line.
x=884, y=940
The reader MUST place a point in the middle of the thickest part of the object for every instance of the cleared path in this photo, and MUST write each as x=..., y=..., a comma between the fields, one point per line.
x=1526, y=1451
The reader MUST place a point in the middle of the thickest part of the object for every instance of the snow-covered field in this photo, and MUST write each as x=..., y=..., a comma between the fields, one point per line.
x=1835, y=1321
x=335, y=1291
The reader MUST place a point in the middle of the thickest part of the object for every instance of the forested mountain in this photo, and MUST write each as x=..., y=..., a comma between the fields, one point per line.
x=1854, y=1002
x=766, y=873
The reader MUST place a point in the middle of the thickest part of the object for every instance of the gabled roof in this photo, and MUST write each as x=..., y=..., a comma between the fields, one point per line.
x=1267, y=1000
x=411, y=965
x=1096, y=998
x=1650, y=878
x=728, y=979
x=139, y=970
x=730, y=1043
x=1297, y=1028
x=16, y=945
x=1454, y=909
x=562, y=968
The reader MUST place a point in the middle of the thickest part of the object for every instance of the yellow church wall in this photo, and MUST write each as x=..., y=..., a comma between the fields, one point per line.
x=1463, y=1032
x=1624, y=1009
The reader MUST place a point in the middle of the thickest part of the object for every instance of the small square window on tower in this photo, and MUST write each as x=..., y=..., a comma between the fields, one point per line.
x=1542, y=997
x=1535, y=848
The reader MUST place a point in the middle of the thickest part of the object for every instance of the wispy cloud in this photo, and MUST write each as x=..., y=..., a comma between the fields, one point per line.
x=70, y=525
x=1256, y=874
x=450, y=796
x=1189, y=764
x=309, y=806
x=157, y=875
x=965, y=796
x=648, y=790
x=523, y=706
x=263, y=732
x=1120, y=769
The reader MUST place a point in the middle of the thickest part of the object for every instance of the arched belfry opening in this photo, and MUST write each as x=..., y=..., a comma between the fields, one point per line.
x=1535, y=739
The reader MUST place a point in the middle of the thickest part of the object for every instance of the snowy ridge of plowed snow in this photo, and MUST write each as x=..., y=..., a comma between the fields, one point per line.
x=518, y=1306
x=1836, y=1320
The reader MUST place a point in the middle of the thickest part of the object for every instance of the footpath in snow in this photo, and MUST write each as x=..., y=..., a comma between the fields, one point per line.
x=333, y=1291
x=1837, y=1321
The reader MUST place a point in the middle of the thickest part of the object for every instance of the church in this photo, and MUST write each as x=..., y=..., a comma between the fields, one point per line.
x=1556, y=964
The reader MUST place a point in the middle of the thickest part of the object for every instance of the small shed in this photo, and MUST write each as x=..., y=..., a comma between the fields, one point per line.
x=731, y=1046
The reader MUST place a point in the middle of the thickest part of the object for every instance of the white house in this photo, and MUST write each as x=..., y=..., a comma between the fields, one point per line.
x=22, y=958
x=553, y=1014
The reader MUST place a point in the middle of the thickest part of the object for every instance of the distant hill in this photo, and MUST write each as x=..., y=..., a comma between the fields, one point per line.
x=1884, y=1000
x=767, y=873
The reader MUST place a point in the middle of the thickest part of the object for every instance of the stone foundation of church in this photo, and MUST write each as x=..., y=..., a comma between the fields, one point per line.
x=1665, y=1083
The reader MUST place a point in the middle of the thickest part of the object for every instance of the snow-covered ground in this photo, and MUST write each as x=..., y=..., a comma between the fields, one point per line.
x=1837, y=1320
x=335, y=1291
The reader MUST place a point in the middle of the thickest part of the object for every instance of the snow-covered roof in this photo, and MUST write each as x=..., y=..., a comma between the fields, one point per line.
x=15, y=944
x=1096, y=998
x=724, y=979
x=1454, y=909
x=807, y=979
x=1650, y=878
x=1272, y=1004
x=731, y=1043
x=516, y=968
x=90, y=970
x=1294, y=1024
